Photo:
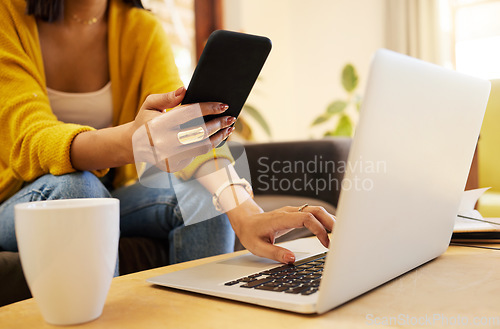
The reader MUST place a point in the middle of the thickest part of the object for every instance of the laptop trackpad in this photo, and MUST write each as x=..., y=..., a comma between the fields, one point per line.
x=302, y=248
x=256, y=261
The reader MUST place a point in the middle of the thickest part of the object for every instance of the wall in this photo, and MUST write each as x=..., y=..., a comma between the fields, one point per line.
x=312, y=41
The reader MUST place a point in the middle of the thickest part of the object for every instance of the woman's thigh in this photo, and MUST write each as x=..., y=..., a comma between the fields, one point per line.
x=48, y=187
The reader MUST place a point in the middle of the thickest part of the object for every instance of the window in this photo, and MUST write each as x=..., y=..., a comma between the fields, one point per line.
x=476, y=37
x=177, y=17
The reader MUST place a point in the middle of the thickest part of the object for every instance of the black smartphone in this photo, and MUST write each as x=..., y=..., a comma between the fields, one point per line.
x=227, y=70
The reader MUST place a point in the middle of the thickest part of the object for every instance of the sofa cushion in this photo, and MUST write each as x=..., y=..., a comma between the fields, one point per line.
x=13, y=286
x=138, y=254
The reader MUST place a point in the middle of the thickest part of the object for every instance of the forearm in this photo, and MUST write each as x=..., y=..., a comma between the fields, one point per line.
x=103, y=148
x=234, y=199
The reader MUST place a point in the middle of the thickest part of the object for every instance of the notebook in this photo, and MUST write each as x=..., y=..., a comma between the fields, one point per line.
x=407, y=169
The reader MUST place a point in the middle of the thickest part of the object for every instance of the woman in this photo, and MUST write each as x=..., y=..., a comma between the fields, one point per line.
x=78, y=79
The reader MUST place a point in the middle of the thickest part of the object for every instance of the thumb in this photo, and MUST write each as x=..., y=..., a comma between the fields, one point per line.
x=169, y=100
x=276, y=253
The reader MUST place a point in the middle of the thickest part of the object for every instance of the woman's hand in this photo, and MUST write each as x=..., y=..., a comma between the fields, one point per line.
x=257, y=230
x=156, y=137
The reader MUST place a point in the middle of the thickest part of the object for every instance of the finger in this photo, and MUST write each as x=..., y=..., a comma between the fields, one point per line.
x=200, y=133
x=212, y=108
x=216, y=139
x=317, y=228
x=192, y=114
x=279, y=254
x=215, y=125
x=158, y=102
x=325, y=218
x=203, y=147
x=299, y=219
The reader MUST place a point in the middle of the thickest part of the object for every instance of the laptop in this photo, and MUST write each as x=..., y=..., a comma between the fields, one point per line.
x=406, y=172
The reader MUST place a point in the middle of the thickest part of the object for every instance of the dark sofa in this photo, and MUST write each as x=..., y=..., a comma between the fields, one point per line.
x=282, y=173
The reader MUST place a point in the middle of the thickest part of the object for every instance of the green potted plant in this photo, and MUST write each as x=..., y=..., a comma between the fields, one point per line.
x=344, y=111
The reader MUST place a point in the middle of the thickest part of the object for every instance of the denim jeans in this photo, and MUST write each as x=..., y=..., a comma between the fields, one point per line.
x=144, y=212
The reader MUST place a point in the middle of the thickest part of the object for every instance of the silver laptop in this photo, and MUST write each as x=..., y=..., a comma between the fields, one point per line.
x=404, y=180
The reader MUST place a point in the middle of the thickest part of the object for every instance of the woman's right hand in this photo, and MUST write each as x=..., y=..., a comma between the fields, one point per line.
x=156, y=138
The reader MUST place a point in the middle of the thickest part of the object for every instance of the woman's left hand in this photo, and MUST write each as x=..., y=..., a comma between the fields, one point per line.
x=156, y=132
x=257, y=230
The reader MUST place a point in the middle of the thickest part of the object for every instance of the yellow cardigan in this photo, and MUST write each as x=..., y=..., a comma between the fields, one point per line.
x=32, y=141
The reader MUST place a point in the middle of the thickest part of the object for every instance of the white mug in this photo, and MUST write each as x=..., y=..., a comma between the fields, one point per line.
x=68, y=250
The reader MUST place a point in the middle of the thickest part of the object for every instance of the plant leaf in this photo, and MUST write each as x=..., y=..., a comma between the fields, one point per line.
x=255, y=114
x=322, y=118
x=344, y=126
x=349, y=78
x=336, y=107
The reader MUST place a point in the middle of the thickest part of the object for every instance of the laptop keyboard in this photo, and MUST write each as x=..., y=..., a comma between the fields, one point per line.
x=302, y=277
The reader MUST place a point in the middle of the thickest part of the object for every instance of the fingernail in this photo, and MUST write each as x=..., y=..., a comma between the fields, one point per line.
x=223, y=107
x=289, y=258
x=230, y=120
x=179, y=91
x=230, y=130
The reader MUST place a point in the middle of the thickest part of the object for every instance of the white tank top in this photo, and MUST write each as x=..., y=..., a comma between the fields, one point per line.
x=93, y=109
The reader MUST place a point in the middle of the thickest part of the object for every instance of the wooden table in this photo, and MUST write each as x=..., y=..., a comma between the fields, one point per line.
x=463, y=284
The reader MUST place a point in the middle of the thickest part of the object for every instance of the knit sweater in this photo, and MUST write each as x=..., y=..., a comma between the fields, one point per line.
x=32, y=141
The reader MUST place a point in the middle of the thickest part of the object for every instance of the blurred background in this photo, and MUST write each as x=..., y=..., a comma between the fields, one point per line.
x=313, y=82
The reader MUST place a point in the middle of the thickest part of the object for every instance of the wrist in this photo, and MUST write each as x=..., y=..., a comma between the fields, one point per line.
x=127, y=152
x=243, y=212
x=231, y=194
x=103, y=148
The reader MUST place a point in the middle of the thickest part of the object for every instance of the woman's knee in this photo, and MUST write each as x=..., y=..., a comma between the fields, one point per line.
x=69, y=186
x=47, y=187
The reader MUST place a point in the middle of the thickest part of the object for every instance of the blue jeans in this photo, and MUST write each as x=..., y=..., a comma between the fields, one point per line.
x=144, y=212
